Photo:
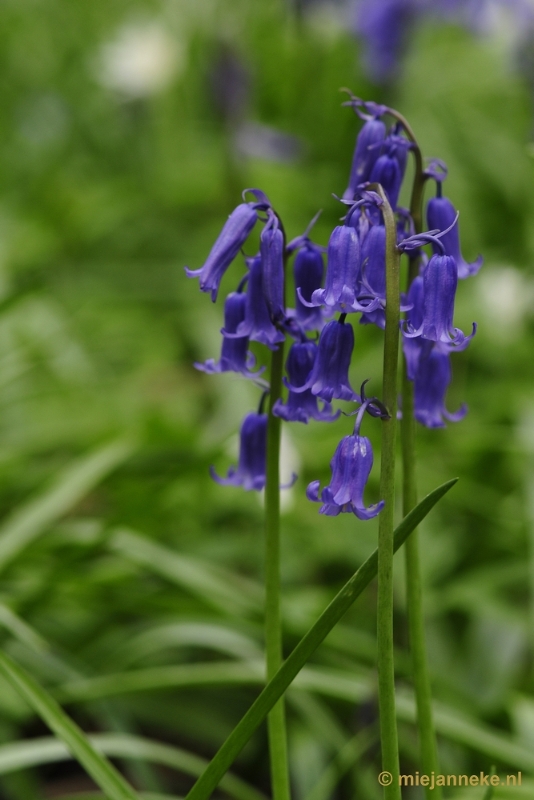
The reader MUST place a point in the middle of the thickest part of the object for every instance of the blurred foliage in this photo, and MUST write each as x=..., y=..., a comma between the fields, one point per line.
x=128, y=131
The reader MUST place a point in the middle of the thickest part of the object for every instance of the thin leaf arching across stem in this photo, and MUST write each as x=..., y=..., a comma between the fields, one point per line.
x=302, y=652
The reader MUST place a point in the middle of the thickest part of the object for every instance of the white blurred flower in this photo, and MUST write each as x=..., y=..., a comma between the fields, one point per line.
x=290, y=463
x=141, y=60
x=506, y=294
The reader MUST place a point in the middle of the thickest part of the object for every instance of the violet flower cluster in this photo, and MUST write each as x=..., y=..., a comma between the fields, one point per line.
x=319, y=323
x=386, y=26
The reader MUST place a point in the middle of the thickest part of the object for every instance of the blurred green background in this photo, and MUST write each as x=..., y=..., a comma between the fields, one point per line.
x=128, y=131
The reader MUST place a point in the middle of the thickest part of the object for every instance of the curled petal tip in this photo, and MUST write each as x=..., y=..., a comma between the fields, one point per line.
x=192, y=273
x=312, y=491
x=370, y=512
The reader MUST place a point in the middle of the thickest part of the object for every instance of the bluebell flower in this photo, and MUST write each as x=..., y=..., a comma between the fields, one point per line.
x=235, y=355
x=374, y=273
x=432, y=379
x=329, y=376
x=302, y=406
x=441, y=214
x=228, y=244
x=390, y=167
x=351, y=466
x=361, y=219
x=250, y=472
x=308, y=270
x=368, y=147
x=412, y=345
x=257, y=324
x=440, y=279
x=272, y=264
x=342, y=274
x=384, y=26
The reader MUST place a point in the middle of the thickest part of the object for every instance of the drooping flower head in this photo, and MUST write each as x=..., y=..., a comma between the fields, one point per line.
x=250, y=472
x=272, y=265
x=389, y=169
x=343, y=275
x=412, y=345
x=441, y=214
x=329, y=376
x=351, y=466
x=440, y=279
x=432, y=379
x=384, y=26
x=228, y=244
x=342, y=272
x=302, y=406
x=257, y=324
x=374, y=273
x=235, y=355
x=368, y=147
x=308, y=271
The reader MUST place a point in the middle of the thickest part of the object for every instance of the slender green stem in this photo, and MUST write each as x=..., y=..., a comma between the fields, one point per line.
x=386, y=671
x=273, y=633
x=414, y=594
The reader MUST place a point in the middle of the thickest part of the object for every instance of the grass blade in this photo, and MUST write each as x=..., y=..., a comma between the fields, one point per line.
x=97, y=766
x=210, y=636
x=214, y=585
x=100, y=796
x=334, y=683
x=26, y=523
x=305, y=648
x=47, y=750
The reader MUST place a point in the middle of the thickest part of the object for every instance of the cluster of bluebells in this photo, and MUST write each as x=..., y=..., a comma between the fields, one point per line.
x=354, y=283
x=386, y=26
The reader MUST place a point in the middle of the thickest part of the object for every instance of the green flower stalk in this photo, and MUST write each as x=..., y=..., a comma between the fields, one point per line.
x=273, y=627
x=386, y=669
x=414, y=592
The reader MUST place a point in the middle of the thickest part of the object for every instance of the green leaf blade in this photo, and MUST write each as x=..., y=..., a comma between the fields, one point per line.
x=97, y=766
x=30, y=520
x=304, y=649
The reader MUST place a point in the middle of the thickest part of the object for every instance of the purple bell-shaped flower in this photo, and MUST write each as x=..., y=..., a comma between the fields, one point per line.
x=351, y=467
x=342, y=275
x=390, y=167
x=272, y=265
x=441, y=214
x=302, y=406
x=329, y=376
x=250, y=472
x=412, y=345
x=257, y=324
x=440, y=279
x=383, y=26
x=432, y=379
x=374, y=273
x=368, y=146
x=308, y=271
x=235, y=355
x=228, y=244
